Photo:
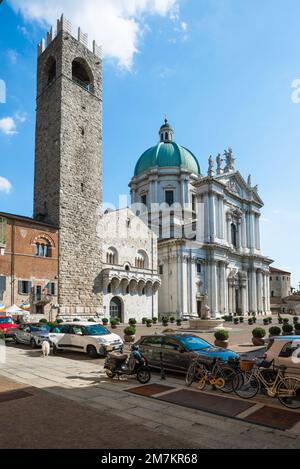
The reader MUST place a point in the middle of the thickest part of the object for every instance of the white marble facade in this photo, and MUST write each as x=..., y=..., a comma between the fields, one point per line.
x=129, y=277
x=210, y=242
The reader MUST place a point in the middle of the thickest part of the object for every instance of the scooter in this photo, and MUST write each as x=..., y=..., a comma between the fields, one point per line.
x=134, y=364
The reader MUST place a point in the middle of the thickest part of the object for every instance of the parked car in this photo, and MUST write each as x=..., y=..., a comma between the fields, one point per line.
x=175, y=351
x=32, y=334
x=91, y=338
x=8, y=327
x=285, y=350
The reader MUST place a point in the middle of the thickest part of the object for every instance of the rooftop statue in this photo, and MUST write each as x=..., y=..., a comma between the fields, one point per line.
x=230, y=160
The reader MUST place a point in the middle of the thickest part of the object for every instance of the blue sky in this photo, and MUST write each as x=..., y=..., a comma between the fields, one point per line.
x=222, y=70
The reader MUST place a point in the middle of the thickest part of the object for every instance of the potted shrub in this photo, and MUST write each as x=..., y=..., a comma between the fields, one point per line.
x=91, y=320
x=149, y=322
x=105, y=321
x=280, y=321
x=266, y=322
x=129, y=334
x=59, y=321
x=270, y=319
x=114, y=323
x=254, y=319
x=241, y=319
x=295, y=319
x=155, y=320
x=258, y=335
x=287, y=329
x=286, y=321
x=250, y=321
x=165, y=322
x=144, y=320
x=274, y=331
x=172, y=320
x=132, y=322
x=76, y=320
x=179, y=322
x=236, y=321
x=43, y=321
x=221, y=338
x=297, y=328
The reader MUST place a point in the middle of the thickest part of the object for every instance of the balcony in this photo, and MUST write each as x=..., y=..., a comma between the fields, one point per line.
x=133, y=282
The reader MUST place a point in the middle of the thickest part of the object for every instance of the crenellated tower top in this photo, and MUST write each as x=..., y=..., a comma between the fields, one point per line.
x=63, y=24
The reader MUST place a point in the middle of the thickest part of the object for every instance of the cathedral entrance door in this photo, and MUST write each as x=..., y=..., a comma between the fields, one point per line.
x=116, y=309
x=199, y=308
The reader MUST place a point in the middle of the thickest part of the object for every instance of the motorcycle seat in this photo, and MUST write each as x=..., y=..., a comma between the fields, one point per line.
x=118, y=356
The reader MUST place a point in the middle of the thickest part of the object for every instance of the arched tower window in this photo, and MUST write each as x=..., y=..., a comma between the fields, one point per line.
x=50, y=71
x=112, y=256
x=43, y=248
x=234, y=234
x=142, y=261
x=82, y=75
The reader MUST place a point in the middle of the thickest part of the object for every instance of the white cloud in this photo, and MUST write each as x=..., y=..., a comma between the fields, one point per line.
x=8, y=126
x=117, y=25
x=5, y=185
x=21, y=117
x=12, y=56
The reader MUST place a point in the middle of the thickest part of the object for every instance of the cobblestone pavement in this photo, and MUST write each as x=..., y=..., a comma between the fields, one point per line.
x=81, y=380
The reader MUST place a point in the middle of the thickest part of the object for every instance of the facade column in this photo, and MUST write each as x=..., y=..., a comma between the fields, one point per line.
x=228, y=223
x=223, y=288
x=259, y=291
x=268, y=297
x=243, y=231
x=212, y=217
x=230, y=296
x=243, y=293
x=264, y=292
x=253, y=292
x=213, y=288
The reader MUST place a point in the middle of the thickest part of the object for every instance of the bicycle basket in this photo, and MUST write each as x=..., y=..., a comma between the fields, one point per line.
x=246, y=365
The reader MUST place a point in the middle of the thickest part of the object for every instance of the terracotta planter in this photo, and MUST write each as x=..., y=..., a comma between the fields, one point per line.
x=221, y=343
x=256, y=341
x=129, y=338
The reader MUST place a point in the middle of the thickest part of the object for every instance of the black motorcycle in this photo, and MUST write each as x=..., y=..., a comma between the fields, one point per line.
x=134, y=364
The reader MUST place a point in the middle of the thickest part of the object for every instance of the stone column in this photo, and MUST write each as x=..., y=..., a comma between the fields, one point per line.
x=212, y=217
x=228, y=223
x=264, y=300
x=253, y=292
x=243, y=232
x=259, y=291
x=243, y=292
x=230, y=296
x=222, y=288
x=213, y=288
x=268, y=299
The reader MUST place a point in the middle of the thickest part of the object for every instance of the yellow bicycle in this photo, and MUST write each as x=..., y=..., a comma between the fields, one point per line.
x=207, y=377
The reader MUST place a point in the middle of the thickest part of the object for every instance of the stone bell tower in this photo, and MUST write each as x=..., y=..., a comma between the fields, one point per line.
x=68, y=162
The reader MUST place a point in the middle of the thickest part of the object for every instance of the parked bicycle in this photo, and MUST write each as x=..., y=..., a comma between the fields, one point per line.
x=208, y=377
x=219, y=370
x=256, y=376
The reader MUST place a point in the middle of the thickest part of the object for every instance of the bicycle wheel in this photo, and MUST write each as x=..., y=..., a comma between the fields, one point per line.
x=202, y=380
x=227, y=373
x=245, y=385
x=190, y=376
x=288, y=393
x=194, y=373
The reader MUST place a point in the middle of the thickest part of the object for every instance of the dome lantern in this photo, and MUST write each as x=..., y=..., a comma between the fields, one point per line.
x=166, y=132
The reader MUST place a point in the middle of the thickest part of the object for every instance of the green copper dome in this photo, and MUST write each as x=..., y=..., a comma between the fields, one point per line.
x=167, y=154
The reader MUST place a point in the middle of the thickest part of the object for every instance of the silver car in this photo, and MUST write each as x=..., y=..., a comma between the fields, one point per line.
x=32, y=334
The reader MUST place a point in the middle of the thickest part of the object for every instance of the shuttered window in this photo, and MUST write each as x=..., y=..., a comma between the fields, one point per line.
x=2, y=231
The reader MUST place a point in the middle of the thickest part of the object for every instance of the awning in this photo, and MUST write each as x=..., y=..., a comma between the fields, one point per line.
x=14, y=310
x=26, y=306
x=2, y=308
